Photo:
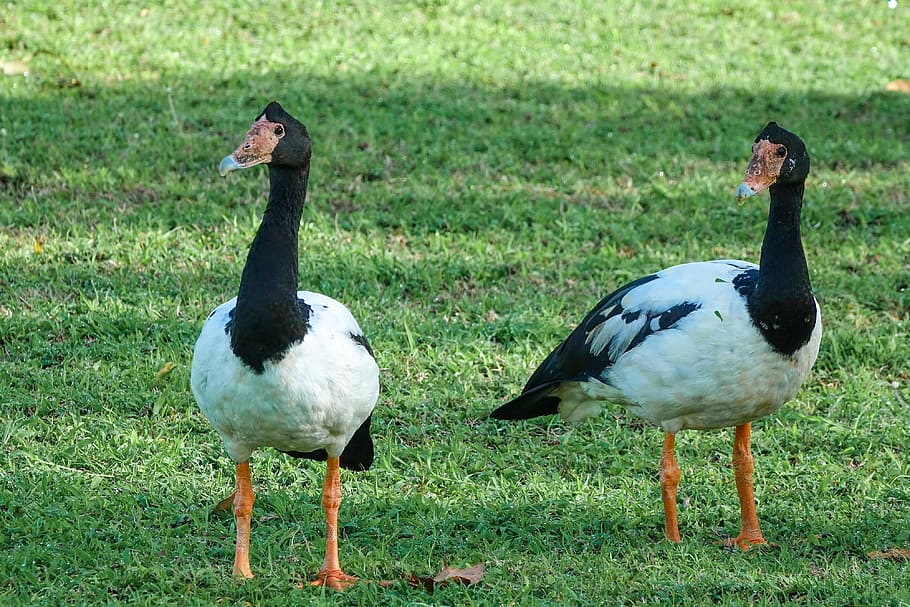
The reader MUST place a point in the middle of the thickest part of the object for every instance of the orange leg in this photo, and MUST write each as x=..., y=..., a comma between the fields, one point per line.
x=669, y=480
x=243, y=509
x=743, y=465
x=330, y=574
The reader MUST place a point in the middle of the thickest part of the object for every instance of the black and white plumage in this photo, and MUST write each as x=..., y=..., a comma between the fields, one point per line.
x=699, y=345
x=307, y=398
x=277, y=367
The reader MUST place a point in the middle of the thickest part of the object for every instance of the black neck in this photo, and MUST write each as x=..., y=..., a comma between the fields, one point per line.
x=268, y=318
x=782, y=305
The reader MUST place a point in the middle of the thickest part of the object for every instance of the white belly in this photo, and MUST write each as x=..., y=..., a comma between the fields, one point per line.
x=712, y=374
x=315, y=397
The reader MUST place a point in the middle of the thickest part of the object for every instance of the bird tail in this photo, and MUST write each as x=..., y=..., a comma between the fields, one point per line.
x=357, y=454
x=537, y=401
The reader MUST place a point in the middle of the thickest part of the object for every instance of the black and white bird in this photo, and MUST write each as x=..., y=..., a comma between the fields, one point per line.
x=277, y=367
x=699, y=345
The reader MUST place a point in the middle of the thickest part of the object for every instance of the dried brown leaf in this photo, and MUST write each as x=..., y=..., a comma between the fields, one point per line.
x=453, y=575
x=898, y=86
x=14, y=68
x=468, y=576
x=894, y=554
x=415, y=581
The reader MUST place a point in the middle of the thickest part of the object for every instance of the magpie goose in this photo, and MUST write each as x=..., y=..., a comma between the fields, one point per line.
x=282, y=368
x=699, y=345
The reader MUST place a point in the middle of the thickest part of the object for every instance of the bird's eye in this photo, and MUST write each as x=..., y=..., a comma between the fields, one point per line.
x=781, y=152
x=247, y=147
x=279, y=130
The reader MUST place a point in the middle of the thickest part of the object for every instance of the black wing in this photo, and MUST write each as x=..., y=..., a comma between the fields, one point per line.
x=572, y=360
x=357, y=455
x=591, y=348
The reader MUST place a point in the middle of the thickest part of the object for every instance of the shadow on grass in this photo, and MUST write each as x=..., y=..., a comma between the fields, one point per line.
x=422, y=154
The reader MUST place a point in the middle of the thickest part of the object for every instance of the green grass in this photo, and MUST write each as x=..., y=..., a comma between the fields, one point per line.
x=483, y=174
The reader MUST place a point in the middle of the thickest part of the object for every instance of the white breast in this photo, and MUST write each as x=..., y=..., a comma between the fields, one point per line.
x=708, y=375
x=314, y=397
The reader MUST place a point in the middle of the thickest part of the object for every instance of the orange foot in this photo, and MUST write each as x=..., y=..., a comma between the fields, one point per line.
x=242, y=572
x=336, y=579
x=744, y=542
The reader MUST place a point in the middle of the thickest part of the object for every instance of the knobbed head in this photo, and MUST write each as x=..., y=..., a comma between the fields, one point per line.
x=276, y=138
x=778, y=156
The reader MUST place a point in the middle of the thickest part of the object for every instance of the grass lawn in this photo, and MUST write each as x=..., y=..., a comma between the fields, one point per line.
x=483, y=173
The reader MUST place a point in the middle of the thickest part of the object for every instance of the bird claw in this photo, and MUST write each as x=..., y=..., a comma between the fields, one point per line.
x=744, y=542
x=335, y=579
x=242, y=574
